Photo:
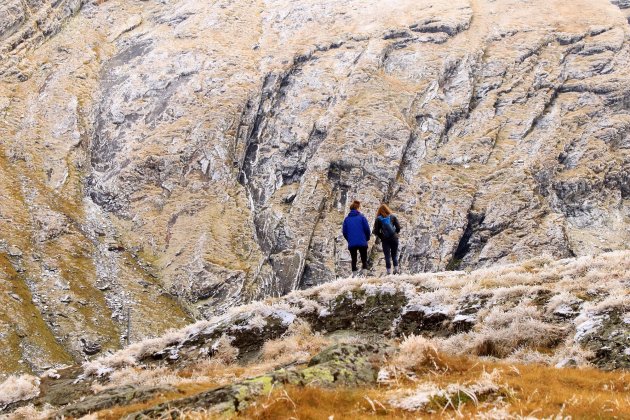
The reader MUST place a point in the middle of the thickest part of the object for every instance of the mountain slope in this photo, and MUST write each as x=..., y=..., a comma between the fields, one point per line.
x=178, y=158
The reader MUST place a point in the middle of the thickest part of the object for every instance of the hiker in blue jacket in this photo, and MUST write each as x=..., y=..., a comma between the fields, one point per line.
x=356, y=230
x=386, y=227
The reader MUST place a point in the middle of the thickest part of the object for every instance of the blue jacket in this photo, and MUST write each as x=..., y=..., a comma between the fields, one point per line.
x=356, y=229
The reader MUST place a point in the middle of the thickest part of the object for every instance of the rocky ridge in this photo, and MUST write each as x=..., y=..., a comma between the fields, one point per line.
x=183, y=157
x=541, y=311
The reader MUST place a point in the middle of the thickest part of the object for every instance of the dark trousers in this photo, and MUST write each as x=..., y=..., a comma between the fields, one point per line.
x=353, y=253
x=390, y=249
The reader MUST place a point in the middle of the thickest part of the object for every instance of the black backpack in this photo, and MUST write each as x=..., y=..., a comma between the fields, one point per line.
x=387, y=228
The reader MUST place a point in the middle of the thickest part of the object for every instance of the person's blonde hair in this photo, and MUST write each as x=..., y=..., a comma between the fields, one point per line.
x=384, y=210
x=356, y=205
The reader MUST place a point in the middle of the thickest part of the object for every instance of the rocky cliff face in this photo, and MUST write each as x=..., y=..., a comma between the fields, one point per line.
x=179, y=157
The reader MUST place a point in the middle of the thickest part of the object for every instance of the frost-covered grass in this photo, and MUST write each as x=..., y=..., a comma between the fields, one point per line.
x=416, y=352
x=297, y=345
x=157, y=376
x=523, y=307
x=18, y=388
x=29, y=412
x=606, y=272
x=254, y=314
x=429, y=396
x=212, y=370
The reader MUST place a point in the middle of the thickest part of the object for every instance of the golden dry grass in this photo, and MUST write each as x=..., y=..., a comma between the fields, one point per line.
x=183, y=389
x=522, y=390
x=121, y=411
x=297, y=345
x=536, y=390
x=321, y=403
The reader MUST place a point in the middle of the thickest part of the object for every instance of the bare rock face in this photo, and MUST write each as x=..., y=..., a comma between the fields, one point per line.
x=181, y=157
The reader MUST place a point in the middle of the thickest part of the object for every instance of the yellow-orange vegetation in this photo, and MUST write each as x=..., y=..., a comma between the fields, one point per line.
x=525, y=390
x=536, y=390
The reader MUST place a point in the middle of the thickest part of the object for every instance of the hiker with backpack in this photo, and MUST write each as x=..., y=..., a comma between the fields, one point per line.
x=356, y=230
x=386, y=227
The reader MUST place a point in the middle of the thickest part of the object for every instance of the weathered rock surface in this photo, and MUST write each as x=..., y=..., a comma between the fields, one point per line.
x=178, y=157
x=607, y=334
x=491, y=312
x=340, y=365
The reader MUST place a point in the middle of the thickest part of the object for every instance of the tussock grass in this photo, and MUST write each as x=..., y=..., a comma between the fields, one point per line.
x=217, y=370
x=417, y=352
x=297, y=345
x=29, y=412
x=18, y=388
x=470, y=388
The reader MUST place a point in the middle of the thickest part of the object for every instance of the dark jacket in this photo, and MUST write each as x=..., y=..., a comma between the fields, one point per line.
x=356, y=229
x=377, y=226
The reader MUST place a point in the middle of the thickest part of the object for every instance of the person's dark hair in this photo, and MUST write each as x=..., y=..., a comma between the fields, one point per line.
x=384, y=210
x=356, y=204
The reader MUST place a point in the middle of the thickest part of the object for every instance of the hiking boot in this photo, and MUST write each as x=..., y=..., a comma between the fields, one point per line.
x=355, y=274
x=389, y=271
x=396, y=270
x=362, y=273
